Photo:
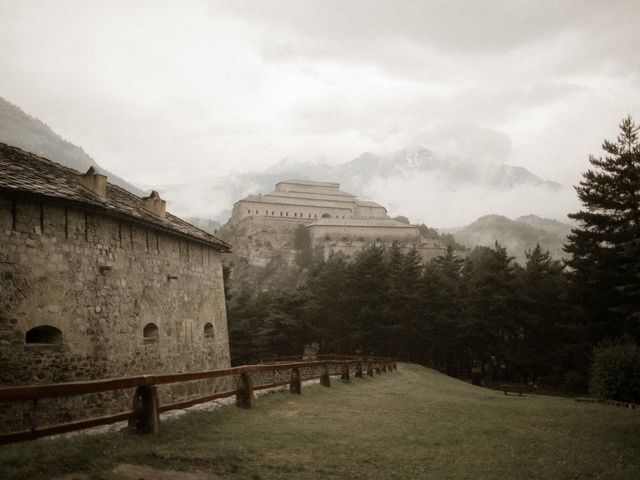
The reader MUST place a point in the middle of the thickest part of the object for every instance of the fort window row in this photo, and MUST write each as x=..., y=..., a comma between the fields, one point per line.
x=49, y=335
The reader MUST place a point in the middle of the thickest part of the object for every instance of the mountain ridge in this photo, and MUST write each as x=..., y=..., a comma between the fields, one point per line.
x=19, y=129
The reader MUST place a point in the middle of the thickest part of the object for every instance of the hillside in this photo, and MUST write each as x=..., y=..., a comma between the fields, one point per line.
x=517, y=235
x=28, y=133
x=413, y=423
x=263, y=256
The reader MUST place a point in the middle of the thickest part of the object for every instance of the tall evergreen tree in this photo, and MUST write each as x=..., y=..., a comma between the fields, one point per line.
x=605, y=246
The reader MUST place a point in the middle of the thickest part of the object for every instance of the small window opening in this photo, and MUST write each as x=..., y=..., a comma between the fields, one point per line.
x=208, y=330
x=273, y=212
x=256, y=212
x=150, y=333
x=326, y=215
x=287, y=214
x=249, y=211
x=43, y=334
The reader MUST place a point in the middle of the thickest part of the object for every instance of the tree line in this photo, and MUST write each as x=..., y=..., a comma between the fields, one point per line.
x=482, y=315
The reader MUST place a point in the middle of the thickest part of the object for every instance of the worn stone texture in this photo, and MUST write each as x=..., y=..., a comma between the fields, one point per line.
x=100, y=280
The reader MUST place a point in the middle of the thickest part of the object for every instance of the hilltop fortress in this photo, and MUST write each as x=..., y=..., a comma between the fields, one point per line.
x=262, y=225
x=306, y=200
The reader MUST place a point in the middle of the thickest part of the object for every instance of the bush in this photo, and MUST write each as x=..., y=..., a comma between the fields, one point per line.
x=615, y=371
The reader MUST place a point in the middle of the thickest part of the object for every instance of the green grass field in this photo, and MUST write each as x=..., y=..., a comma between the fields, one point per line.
x=413, y=423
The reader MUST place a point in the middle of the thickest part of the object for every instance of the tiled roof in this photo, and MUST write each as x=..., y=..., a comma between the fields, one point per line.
x=360, y=222
x=28, y=174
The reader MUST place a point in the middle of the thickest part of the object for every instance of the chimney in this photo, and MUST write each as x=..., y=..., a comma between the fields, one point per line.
x=155, y=205
x=95, y=182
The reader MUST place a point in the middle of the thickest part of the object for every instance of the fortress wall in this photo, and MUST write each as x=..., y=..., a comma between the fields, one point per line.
x=370, y=212
x=243, y=210
x=99, y=281
x=350, y=249
x=297, y=187
x=320, y=233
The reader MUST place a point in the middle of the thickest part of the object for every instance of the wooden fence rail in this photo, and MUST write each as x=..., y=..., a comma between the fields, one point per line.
x=144, y=416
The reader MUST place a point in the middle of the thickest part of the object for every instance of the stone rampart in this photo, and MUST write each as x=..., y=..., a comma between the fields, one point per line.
x=84, y=295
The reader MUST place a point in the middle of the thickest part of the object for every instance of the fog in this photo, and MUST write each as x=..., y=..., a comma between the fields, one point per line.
x=165, y=93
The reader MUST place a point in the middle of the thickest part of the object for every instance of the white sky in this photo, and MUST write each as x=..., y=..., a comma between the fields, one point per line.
x=169, y=91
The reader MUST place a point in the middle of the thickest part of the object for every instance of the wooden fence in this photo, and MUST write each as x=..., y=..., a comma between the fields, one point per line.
x=143, y=417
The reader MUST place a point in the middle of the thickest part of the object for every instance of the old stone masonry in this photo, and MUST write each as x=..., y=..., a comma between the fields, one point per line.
x=96, y=282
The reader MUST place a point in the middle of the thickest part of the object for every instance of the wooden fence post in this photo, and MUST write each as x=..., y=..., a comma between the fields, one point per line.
x=359, y=370
x=145, y=403
x=345, y=373
x=370, y=369
x=325, y=378
x=295, y=386
x=244, y=396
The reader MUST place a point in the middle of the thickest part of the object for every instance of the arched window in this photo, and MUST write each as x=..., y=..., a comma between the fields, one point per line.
x=273, y=212
x=295, y=214
x=326, y=215
x=309, y=215
x=43, y=334
x=150, y=333
x=208, y=330
x=248, y=211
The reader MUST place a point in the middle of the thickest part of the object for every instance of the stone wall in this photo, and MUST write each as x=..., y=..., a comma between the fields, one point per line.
x=370, y=233
x=301, y=213
x=350, y=248
x=318, y=187
x=369, y=211
x=100, y=281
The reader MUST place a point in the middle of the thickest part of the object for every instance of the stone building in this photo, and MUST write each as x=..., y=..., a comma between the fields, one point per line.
x=306, y=200
x=337, y=222
x=96, y=282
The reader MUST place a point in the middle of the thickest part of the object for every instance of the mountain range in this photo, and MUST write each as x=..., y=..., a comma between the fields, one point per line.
x=416, y=182
x=21, y=130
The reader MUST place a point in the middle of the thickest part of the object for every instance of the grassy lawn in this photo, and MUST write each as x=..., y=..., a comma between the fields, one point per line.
x=411, y=424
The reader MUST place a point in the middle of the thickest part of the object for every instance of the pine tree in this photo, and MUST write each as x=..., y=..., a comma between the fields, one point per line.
x=606, y=244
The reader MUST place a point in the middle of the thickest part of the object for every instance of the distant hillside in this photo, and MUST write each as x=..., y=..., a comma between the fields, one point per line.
x=30, y=134
x=517, y=235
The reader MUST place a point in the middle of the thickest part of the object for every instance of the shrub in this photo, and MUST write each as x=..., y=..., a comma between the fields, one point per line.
x=615, y=371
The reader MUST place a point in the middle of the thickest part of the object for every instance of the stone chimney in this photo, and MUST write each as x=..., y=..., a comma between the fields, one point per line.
x=155, y=205
x=95, y=183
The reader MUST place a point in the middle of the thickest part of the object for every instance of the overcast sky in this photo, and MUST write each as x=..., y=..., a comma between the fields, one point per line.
x=163, y=92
